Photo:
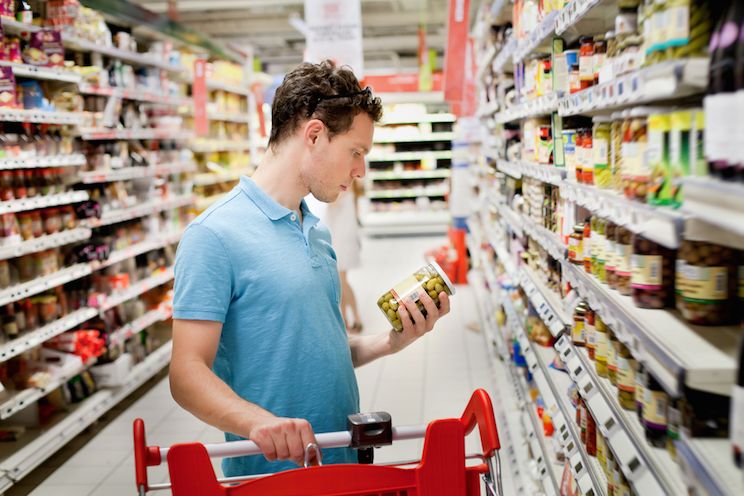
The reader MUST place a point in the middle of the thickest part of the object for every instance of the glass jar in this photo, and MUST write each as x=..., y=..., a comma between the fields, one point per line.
x=600, y=53
x=623, y=257
x=602, y=251
x=577, y=331
x=574, y=79
x=610, y=254
x=601, y=137
x=19, y=184
x=37, y=224
x=47, y=308
x=596, y=237
x=616, y=151
x=612, y=350
x=31, y=189
x=4, y=274
x=707, y=283
x=625, y=377
x=575, y=248
x=579, y=168
x=569, y=151
x=587, y=170
x=587, y=245
x=52, y=220
x=586, y=61
x=68, y=217
x=636, y=174
x=25, y=222
x=652, y=279
x=6, y=185
x=589, y=332
x=601, y=349
x=430, y=279
x=655, y=405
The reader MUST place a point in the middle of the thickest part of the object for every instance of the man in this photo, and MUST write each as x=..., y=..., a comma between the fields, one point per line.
x=259, y=345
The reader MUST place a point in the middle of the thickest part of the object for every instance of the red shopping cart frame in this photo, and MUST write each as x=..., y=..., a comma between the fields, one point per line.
x=441, y=472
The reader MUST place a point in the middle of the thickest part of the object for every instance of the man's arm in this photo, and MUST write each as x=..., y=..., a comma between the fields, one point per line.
x=365, y=349
x=197, y=389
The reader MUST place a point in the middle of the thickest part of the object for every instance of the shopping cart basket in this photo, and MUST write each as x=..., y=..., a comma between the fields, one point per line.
x=442, y=470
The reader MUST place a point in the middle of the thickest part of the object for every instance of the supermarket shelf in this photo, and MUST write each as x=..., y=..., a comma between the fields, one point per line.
x=35, y=338
x=208, y=178
x=661, y=225
x=711, y=465
x=26, y=397
x=538, y=39
x=230, y=88
x=162, y=240
x=74, y=160
x=413, y=222
x=505, y=56
x=127, y=173
x=585, y=17
x=138, y=325
x=390, y=138
x=408, y=174
x=117, y=298
x=35, y=451
x=211, y=146
x=44, y=242
x=229, y=117
x=406, y=193
x=650, y=470
x=147, y=208
x=544, y=105
x=548, y=305
x=715, y=203
x=141, y=95
x=675, y=352
x=549, y=240
x=512, y=218
x=415, y=119
x=91, y=134
x=128, y=56
x=45, y=73
x=542, y=172
x=666, y=80
x=40, y=116
x=41, y=284
x=42, y=201
x=409, y=156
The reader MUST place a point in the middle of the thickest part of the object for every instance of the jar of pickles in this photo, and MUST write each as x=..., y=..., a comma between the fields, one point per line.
x=601, y=151
x=575, y=246
x=610, y=254
x=590, y=332
x=625, y=377
x=587, y=172
x=652, y=279
x=707, y=283
x=636, y=173
x=602, y=345
x=623, y=259
x=430, y=279
x=587, y=245
x=612, y=349
x=602, y=251
x=577, y=331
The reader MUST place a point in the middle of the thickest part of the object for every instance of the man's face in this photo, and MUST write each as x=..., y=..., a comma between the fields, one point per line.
x=338, y=161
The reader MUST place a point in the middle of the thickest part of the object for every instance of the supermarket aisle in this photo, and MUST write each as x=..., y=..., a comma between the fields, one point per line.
x=431, y=379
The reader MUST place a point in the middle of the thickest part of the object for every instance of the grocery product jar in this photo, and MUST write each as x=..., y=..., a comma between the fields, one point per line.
x=652, y=278
x=430, y=279
x=623, y=256
x=707, y=283
x=575, y=246
x=610, y=254
x=601, y=136
x=636, y=173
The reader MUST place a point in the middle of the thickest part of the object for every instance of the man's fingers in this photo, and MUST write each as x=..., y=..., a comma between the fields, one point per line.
x=444, y=304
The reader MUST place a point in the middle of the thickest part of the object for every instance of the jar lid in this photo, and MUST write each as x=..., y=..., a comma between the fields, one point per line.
x=444, y=277
x=586, y=39
x=602, y=119
x=579, y=228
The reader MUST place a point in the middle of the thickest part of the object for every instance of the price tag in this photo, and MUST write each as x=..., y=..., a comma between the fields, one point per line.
x=575, y=368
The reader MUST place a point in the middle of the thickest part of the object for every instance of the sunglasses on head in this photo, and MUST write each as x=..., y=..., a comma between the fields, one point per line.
x=319, y=98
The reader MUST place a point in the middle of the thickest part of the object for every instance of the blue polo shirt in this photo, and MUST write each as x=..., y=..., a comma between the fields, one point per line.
x=272, y=281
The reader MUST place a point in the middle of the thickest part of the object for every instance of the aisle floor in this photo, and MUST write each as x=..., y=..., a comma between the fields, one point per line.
x=431, y=379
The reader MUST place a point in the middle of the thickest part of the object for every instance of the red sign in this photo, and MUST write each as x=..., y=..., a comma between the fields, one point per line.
x=199, y=93
x=454, y=61
x=392, y=83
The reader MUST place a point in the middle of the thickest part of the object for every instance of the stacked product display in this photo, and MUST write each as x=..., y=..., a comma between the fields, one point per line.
x=409, y=168
x=609, y=241
x=96, y=183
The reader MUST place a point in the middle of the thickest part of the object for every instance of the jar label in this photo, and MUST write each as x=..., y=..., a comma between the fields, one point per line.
x=600, y=352
x=611, y=357
x=577, y=332
x=646, y=272
x=678, y=25
x=601, y=153
x=586, y=67
x=655, y=409
x=702, y=284
x=409, y=290
x=679, y=276
x=624, y=254
x=574, y=248
x=588, y=163
x=611, y=254
x=591, y=336
x=626, y=374
x=601, y=246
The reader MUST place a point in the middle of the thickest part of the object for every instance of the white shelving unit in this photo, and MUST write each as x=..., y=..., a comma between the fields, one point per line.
x=680, y=356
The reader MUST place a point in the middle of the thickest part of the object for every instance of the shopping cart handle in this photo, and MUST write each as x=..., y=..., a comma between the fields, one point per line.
x=480, y=412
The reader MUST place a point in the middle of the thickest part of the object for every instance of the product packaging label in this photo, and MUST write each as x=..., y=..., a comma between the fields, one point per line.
x=655, y=409
x=646, y=272
x=611, y=256
x=702, y=284
x=611, y=357
x=407, y=290
x=601, y=151
x=626, y=374
x=591, y=336
x=678, y=26
x=600, y=352
x=577, y=332
x=679, y=276
x=7, y=87
x=586, y=68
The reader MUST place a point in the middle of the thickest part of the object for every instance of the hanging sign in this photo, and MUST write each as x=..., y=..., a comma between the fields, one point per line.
x=199, y=93
x=334, y=31
x=457, y=39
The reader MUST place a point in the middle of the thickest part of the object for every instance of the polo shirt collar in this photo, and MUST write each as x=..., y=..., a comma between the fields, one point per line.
x=269, y=206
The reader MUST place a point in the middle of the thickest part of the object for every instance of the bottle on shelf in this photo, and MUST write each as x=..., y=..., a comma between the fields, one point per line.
x=720, y=136
x=655, y=412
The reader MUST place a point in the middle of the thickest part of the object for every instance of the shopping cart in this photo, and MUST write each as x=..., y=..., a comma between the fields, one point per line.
x=442, y=470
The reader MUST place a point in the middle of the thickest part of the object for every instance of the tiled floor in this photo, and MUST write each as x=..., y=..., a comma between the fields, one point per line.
x=431, y=379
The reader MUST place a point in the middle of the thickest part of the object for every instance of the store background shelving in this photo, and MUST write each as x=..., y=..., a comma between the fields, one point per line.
x=409, y=166
x=167, y=159
x=503, y=233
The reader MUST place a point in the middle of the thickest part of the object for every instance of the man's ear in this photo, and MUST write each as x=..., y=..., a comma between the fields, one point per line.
x=313, y=130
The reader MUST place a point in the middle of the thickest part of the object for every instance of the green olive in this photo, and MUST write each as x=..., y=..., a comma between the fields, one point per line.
x=439, y=288
x=397, y=325
x=394, y=306
x=433, y=295
x=386, y=306
x=392, y=315
x=431, y=284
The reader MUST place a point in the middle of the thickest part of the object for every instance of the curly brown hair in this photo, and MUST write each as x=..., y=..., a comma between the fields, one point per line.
x=320, y=91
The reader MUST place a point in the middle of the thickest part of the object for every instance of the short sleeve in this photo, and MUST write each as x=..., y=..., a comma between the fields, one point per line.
x=203, y=284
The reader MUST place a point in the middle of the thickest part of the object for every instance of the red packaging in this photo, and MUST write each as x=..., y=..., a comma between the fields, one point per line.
x=7, y=87
x=45, y=45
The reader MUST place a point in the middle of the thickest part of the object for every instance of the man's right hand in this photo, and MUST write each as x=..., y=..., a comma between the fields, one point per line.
x=284, y=439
